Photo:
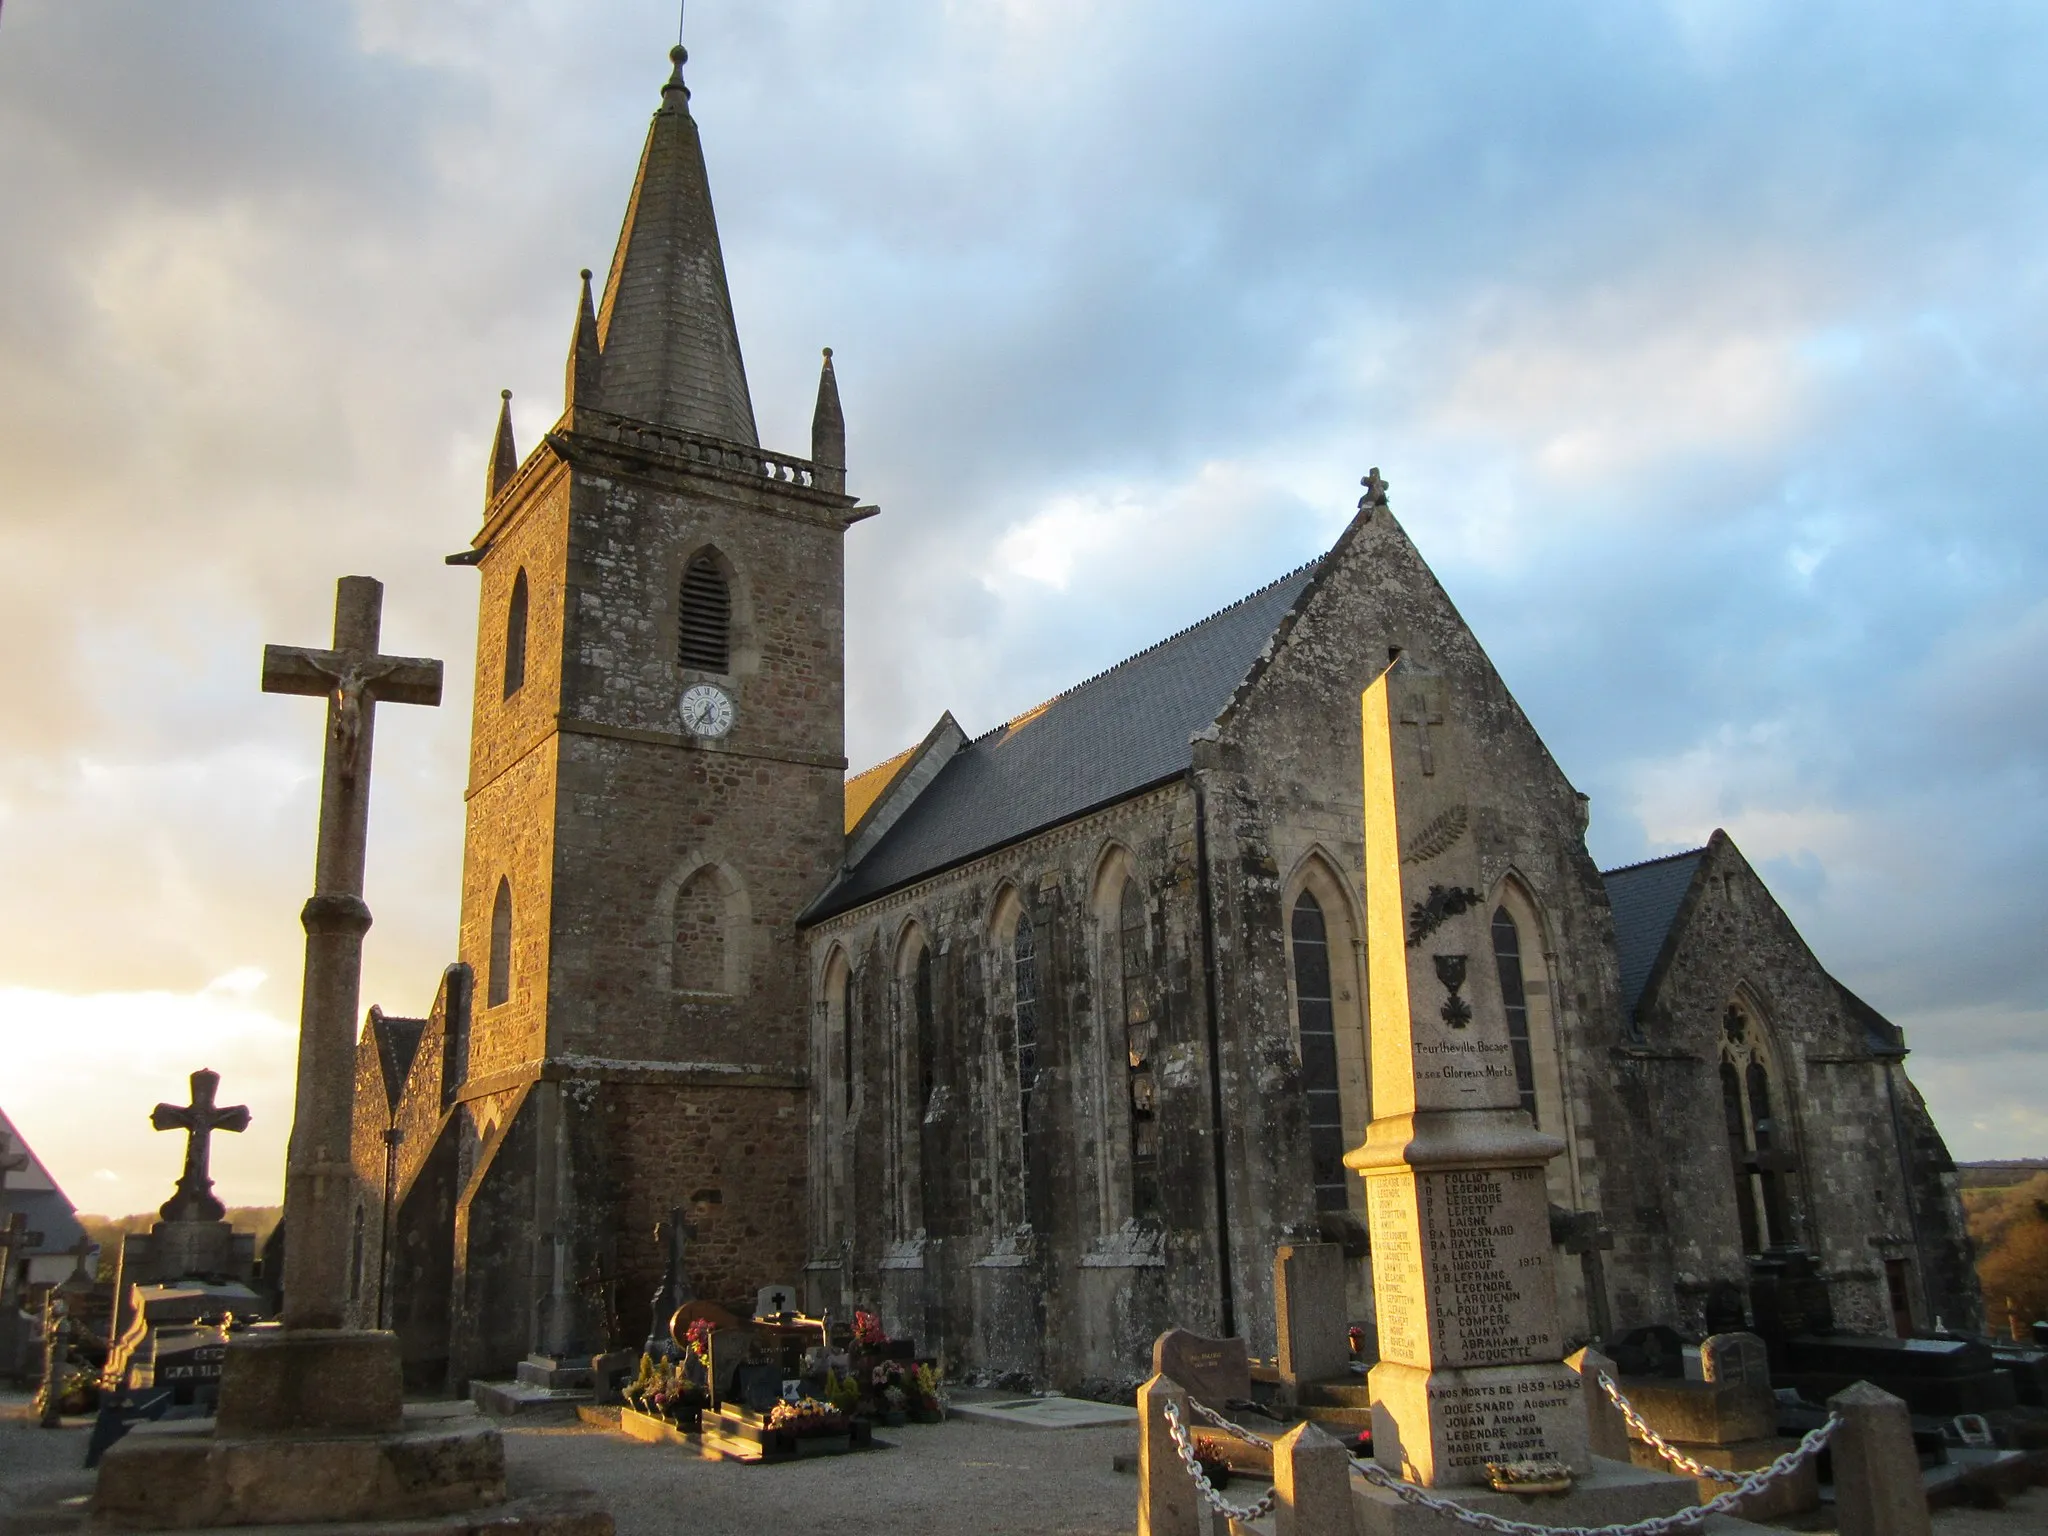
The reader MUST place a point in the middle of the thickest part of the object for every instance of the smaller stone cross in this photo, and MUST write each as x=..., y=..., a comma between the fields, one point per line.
x=194, y=1200
x=1422, y=714
x=15, y=1240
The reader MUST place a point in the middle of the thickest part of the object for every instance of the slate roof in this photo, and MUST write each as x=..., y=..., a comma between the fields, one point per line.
x=1646, y=898
x=1885, y=1037
x=671, y=354
x=1104, y=740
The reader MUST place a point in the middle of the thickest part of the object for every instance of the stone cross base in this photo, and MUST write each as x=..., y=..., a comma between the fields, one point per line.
x=182, y=1475
x=1441, y=1428
x=296, y=1381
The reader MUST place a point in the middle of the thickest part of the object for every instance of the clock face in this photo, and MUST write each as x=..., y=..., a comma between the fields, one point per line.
x=706, y=709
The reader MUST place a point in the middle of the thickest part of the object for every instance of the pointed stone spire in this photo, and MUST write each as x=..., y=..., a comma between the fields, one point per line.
x=671, y=353
x=585, y=358
x=828, y=431
x=504, y=457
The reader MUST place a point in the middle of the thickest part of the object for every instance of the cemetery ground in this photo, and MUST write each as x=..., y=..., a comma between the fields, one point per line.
x=955, y=1477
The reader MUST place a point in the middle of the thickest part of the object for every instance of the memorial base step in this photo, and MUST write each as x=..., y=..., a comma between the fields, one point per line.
x=735, y=1434
x=1615, y=1493
x=443, y=1461
x=1787, y=1496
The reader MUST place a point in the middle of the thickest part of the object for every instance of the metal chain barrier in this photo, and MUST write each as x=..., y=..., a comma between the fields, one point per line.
x=1184, y=1443
x=1663, y=1525
x=1658, y=1443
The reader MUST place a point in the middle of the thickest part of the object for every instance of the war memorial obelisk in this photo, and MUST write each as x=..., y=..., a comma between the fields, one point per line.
x=1470, y=1344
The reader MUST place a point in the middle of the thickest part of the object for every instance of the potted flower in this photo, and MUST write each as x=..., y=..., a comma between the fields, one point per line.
x=891, y=1386
x=925, y=1405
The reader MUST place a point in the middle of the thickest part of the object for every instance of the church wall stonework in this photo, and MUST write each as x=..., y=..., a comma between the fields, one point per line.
x=1021, y=1271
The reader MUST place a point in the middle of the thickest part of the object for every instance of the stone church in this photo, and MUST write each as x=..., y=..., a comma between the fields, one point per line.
x=1040, y=1041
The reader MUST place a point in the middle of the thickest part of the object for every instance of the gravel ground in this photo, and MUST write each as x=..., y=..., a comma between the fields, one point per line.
x=953, y=1477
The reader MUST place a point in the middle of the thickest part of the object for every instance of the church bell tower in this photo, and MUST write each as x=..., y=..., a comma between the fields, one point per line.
x=655, y=792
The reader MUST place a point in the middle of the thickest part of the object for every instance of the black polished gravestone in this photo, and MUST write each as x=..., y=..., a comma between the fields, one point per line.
x=1937, y=1377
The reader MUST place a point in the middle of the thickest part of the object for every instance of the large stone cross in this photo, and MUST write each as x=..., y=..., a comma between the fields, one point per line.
x=317, y=1180
x=194, y=1200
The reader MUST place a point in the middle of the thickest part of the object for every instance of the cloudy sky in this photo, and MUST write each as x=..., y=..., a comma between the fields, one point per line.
x=1704, y=343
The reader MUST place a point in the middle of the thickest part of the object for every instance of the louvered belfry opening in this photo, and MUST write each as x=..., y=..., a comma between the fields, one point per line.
x=704, y=627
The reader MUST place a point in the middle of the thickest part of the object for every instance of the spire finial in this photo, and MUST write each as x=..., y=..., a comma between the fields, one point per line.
x=585, y=355
x=504, y=456
x=828, y=431
x=678, y=56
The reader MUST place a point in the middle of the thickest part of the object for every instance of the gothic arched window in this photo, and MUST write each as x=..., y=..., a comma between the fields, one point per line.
x=498, y=988
x=927, y=1042
x=704, y=617
x=846, y=1031
x=1141, y=1032
x=1024, y=974
x=1315, y=1022
x=515, y=636
x=1507, y=956
x=1738, y=1155
x=1760, y=1145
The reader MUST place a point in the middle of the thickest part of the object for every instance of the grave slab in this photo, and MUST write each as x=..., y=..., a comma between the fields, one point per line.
x=1045, y=1413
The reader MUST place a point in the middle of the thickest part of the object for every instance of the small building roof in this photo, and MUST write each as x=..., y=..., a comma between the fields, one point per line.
x=1120, y=732
x=33, y=1192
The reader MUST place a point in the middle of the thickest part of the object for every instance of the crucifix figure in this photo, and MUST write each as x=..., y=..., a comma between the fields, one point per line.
x=354, y=679
x=1422, y=713
x=194, y=1200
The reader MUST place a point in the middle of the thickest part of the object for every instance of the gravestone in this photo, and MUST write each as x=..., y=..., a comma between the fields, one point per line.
x=1735, y=1360
x=1308, y=1305
x=1214, y=1372
x=775, y=1301
x=1471, y=1369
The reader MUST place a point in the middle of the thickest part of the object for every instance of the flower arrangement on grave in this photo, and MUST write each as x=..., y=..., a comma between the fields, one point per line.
x=697, y=1340
x=867, y=1331
x=662, y=1391
x=1214, y=1461
x=1357, y=1339
x=808, y=1418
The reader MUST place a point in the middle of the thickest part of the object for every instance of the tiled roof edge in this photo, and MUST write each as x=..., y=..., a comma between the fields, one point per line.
x=1662, y=858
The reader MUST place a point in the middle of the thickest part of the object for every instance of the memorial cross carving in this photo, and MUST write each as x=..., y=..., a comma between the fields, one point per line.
x=194, y=1200
x=318, y=1186
x=1422, y=712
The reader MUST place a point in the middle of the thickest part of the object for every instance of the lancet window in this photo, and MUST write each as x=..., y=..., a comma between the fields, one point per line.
x=1024, y=979
x=1141, y=1035
x=515, y=636
x=498, y=985
x=1507, y=956
x=1315, y=1023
